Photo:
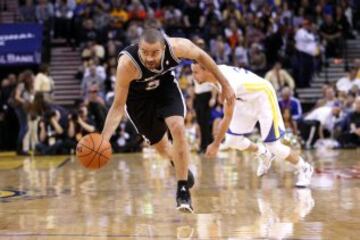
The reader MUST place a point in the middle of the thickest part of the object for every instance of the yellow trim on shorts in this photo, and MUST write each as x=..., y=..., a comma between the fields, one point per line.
x=264, y=87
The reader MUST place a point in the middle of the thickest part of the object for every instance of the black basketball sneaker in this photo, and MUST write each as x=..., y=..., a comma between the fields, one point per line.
x=183, y=200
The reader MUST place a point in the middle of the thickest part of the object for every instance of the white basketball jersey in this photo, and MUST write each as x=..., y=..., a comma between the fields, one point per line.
x=240, y=78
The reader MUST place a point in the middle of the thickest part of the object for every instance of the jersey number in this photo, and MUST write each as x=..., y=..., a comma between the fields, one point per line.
x=152, y=85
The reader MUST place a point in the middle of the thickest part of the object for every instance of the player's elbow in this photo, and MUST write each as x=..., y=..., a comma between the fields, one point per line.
x=200, y=56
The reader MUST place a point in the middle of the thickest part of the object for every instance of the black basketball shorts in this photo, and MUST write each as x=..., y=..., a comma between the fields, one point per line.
x=148, y=114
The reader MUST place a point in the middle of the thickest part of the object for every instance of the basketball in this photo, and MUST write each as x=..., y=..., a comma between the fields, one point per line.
x=93, y=151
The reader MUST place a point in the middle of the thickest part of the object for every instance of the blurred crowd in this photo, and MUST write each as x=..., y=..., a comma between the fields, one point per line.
x=286, y=42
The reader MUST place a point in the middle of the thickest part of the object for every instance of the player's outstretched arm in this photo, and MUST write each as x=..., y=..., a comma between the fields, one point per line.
x=125, y=73
x=184, y=48
x=213, y=148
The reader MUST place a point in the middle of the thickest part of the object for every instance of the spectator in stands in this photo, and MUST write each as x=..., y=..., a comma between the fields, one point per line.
x=50, y=135
x=233, y=34
x=231, y=12
x=27, y=12
x=44, y=12
x=119, y=14
x=347, y=83
x=253, y=30
x=287, y=101
x=194, y=19
x=126, y=139
x=280, y=78
x=348, y=104
x=133, y=32
x=343, y=22
x=10, y=121
x=31, y=137
x=329, y=98
x=331, y=34
x=79, y=124
x=307, y=49
x=351, y=138
x=21, y=102
x=64, y=14
x=92, y=79
x=95, y=95
x=137, y=11
x=88, y=32
x=43, y=82
x=111, y=49
x=257, y=59
x=289, y=122
x=96, y=50
x=102, y=16
x=241, y=58
x=274, y=43
x=172, y=20
x=220, y=51
x=212, y=13
x=96, y=106
x=319, y=124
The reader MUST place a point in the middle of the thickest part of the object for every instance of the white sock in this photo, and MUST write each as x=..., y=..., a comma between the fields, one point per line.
x=300, y=163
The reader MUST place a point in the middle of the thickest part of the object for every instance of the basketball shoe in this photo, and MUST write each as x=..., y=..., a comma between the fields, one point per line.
x=265, y=159
x=183, y=199
x=304, y=175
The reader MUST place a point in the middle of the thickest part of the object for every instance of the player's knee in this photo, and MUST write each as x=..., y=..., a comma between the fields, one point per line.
x=160, y=149
x=238, y=142
x=177, y=128
x=280, y=150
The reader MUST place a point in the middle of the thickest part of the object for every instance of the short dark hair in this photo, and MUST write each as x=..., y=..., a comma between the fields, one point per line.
x=152, y=35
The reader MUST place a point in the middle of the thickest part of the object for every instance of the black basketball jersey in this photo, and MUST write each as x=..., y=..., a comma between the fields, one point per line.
x=150, y=80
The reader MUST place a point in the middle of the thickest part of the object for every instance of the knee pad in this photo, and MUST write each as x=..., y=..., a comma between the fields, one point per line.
x=237, y=142
x=280, y=150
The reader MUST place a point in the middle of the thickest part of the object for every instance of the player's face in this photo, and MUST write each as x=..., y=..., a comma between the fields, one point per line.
x=198, y=73
x=151, y=54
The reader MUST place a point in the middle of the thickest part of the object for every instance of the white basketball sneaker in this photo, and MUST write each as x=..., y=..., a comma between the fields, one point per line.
x=304, y=175
x=265, y=159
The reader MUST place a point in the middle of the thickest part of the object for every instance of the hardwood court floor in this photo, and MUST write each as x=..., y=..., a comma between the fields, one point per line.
x=133, y=198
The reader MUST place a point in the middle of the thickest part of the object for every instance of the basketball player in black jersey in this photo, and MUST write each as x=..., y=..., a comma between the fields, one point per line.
x=147, y=90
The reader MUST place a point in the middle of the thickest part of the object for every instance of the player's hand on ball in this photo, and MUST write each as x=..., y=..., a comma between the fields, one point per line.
x=212, y=150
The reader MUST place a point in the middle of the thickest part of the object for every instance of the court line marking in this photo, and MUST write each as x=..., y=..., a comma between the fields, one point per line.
x=64, y=162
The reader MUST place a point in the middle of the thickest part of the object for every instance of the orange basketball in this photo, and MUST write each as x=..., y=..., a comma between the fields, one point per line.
x=93, y=151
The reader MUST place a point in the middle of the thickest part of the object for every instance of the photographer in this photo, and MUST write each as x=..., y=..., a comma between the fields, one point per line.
x=79, y=125
x=51, y=134
x=126, y=138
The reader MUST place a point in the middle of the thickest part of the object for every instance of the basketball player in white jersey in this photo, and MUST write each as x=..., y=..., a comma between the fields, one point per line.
x=256, y=101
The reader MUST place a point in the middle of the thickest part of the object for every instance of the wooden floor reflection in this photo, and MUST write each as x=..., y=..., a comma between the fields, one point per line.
x=133, y=198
